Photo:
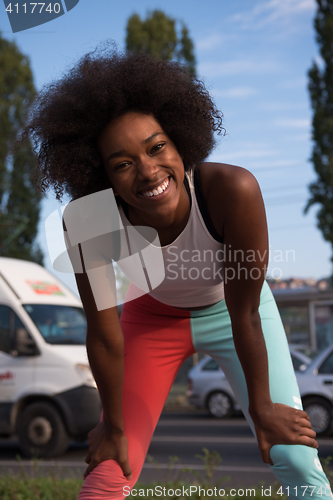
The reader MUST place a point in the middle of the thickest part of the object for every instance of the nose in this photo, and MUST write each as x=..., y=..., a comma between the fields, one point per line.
x=147, y=168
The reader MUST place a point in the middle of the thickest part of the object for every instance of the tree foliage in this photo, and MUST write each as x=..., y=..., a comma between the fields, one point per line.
x=19, y=198
x=157, y=35
x=321, y=93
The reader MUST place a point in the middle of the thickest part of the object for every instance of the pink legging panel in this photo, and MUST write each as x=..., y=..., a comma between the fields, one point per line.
x=153, y=357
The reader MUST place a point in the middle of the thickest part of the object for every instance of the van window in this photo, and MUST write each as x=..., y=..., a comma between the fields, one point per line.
x=5, y=330
x=59, y=324
x=10, y=326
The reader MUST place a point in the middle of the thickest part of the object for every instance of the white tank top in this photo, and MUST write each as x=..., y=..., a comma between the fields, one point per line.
x=193, y=262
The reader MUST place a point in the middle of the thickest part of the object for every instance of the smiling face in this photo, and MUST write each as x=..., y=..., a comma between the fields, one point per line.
x=145, y=169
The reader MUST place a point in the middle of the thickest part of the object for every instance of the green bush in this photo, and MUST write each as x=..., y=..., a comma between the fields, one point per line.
x=39, y=488
x=52, y=487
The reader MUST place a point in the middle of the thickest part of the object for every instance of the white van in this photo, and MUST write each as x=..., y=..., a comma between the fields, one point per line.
x=47, y=392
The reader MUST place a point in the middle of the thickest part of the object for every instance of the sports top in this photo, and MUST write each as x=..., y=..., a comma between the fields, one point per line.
x=193, y=262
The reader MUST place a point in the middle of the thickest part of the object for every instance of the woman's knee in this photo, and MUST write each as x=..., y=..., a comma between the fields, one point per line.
x=296, y=459
x=107, y=482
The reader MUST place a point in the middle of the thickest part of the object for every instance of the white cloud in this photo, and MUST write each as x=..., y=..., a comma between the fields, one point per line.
x=235, y=92
x=282, y=106
x=293, y=122
x=269, y=12
x=306, y=137
x=262, y=164
x=210, y=42
x=275, y=164
x=239, y=153
x=215, y=40
x=296, y=83
x=243, y=66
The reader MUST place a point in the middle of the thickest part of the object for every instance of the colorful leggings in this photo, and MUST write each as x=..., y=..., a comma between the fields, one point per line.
x=158, y=339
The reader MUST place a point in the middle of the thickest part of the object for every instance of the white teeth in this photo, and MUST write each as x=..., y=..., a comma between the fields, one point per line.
x=158, y=190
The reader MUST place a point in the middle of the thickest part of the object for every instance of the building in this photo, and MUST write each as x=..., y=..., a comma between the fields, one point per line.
x=307, y=315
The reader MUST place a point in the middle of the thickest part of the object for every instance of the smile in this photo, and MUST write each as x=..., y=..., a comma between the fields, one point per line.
x=157, y=191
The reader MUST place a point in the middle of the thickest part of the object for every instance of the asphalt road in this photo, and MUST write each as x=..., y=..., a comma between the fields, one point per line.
x=181, y=435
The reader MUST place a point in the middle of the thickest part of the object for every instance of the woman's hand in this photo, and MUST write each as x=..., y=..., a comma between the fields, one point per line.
x=106, y=444
x=281, y=424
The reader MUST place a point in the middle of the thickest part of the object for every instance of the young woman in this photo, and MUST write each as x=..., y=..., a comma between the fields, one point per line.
x=144, y=128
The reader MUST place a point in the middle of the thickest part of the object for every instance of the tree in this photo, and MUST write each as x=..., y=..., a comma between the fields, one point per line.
x=321, y=93
x=157, y=35
x=19, y=198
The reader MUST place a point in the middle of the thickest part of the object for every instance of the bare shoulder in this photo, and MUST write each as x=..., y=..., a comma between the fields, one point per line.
x=218, y=178
x=228, y=190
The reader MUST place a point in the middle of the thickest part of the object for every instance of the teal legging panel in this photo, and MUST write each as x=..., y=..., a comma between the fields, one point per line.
x=295, y=466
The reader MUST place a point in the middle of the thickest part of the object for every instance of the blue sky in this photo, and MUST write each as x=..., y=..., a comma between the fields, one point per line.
x=253, y=56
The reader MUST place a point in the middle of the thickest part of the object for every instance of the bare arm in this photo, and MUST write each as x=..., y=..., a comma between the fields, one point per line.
x=106, y=357
x=105, y=349
x=105, y=353
x=245, y=233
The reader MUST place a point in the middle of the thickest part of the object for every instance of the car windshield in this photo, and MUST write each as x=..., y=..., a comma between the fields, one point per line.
x=59, y=324
x=210, y=366
x=300, y=365
x=302, y=359
x=311, y=353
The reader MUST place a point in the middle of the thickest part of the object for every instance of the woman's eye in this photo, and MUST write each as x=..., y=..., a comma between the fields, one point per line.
x=121, y=165
x=158, y=147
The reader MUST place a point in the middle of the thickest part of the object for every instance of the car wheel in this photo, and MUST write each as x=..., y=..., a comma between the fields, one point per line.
x=41, y=431
x=319, y=412
x=219, y=405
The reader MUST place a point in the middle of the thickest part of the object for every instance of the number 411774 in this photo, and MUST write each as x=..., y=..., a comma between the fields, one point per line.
x=305, y=490
x=32, y=6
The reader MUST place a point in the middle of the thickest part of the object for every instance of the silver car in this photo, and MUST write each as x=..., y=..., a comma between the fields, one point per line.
x=316, y=388
x=209, y=387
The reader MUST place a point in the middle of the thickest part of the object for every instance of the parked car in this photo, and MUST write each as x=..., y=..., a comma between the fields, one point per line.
x=209, y=387
x=316, y=388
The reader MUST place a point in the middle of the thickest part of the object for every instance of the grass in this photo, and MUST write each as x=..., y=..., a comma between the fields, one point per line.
x=40, y=487
x=199, y=487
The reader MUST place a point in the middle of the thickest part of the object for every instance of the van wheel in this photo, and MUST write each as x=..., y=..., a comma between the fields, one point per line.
x=41, y=431
x=219, y=405
x=319, y=412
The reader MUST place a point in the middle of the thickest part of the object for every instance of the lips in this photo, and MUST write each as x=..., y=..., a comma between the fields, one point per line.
x=156, y=190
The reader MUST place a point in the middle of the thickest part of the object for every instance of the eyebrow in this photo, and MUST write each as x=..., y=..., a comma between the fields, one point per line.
x=122, y=152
